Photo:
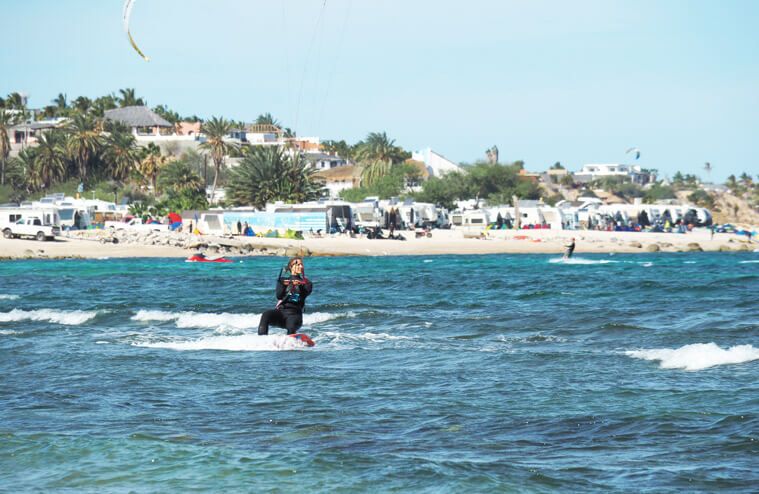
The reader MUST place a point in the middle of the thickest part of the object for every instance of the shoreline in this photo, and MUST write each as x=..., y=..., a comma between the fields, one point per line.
x=89, y=244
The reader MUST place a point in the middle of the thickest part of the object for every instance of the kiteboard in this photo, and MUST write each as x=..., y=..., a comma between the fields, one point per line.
x=304, y=338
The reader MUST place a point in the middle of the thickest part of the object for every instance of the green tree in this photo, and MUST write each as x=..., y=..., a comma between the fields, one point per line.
x=50, y=156
x=82, y=104
x=270, y=174
x=128, y=98
x=557, y=166
x=6, y=121
x=26, y=162
x=267, y=119
x=339, y=148
x=216, y=130
x=83, y=143
x=151, y=164
x=702, y=198
x=121, y=154
x=658, y=192
x=178, y=176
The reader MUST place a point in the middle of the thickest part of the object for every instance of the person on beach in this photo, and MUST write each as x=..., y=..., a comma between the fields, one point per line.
x=292, y=289
x=570, y=249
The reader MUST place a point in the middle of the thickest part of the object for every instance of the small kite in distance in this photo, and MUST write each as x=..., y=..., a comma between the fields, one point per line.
x=635, y=150
x=125, y=16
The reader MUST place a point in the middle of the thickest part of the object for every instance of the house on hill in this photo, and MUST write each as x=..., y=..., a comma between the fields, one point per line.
x=340, y=178
x=142, y=121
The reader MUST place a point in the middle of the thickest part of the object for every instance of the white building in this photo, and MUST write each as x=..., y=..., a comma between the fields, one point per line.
x=595, y=171
x=437, y=164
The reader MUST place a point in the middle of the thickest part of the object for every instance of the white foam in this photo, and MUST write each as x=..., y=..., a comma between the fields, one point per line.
x=8, y=332
x=240, y=343
x=580, y=260
x=749, y=262
x=698, y=356
x=367, y=336
x=223, y=321
x=8, y=297
x=68, y=318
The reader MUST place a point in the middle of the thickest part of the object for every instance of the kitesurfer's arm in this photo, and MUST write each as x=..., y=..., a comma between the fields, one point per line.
x=281, y=289
x=307, y=286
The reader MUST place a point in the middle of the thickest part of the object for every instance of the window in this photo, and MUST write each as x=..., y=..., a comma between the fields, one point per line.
x=14, y=218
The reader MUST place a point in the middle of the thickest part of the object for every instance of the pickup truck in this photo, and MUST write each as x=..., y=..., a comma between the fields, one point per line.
x=30, y=226
x=136, y=224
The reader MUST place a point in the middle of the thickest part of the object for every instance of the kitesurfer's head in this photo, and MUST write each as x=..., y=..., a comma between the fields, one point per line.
x=295, y=266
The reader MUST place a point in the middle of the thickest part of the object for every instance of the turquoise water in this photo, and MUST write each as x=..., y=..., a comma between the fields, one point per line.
x=431, y=374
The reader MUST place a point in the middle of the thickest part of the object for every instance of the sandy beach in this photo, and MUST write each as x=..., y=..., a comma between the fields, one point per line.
x=89, y=244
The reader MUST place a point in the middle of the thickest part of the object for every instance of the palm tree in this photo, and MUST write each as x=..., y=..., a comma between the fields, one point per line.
x=179, y=176
x=61, y=104
x=267, y=119
x=151, y=165
x=121, y=154
x=83, y=143
x=746, y=180
x=378, y=147
x=377, y=155
x=732, y=183
x=103, y=103
x=372, y=172
x=128, y=98
x=32, y=177
x=6, y=121
x=216, y=130
x=50, y=156
x=82, y=104
x=268, y=174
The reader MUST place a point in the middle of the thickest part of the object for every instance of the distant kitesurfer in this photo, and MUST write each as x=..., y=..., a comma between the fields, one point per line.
x=292, y=289
x=570, y=249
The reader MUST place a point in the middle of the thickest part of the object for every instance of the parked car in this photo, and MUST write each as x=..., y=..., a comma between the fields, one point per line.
x=31, y=226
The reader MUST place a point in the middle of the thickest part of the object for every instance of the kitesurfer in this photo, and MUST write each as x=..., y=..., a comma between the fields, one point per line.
x=292, y=289
x=570, y=249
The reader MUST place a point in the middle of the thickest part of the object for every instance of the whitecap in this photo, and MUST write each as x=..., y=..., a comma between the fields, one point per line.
x=580, y=260
x=749, y=262
x=7, y=332
x=239, y=343
x=68, y=318
x=366, y=336
x=697, y=356
x=223, y=321
x=8, y=297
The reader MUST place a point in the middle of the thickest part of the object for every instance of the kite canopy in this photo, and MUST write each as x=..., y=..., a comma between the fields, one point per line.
x=127, y=13
x=634, y=150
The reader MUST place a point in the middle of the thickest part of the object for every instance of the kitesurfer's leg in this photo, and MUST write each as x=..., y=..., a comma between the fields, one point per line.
x=293, y=322
x=271, y=316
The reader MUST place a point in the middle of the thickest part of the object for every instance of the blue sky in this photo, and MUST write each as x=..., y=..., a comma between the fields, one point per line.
x=576, y=82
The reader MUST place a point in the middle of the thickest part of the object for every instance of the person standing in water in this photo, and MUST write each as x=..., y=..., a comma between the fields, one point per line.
x=570, y=249
x=292, y=289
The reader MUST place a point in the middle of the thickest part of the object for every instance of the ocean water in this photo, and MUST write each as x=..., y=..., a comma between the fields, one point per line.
x=498, y=373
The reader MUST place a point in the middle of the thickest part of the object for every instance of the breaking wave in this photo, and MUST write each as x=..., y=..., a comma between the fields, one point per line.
x=223, y=320
x=240, y=343
x=580, y=260
x=697, y=356
x=68, y=318
x=8, y=297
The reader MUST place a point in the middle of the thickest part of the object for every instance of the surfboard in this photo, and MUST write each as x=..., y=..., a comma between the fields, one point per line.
x=304, y=338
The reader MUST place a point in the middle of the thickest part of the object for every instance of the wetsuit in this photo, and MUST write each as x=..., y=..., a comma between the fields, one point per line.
x=570, y=250
x=289, y=311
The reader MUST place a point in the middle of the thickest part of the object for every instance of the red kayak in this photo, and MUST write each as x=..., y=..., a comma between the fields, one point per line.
x=202, y=258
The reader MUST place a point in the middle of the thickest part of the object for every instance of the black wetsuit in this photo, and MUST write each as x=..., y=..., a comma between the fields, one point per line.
x=289, y=311
x=570, y=250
